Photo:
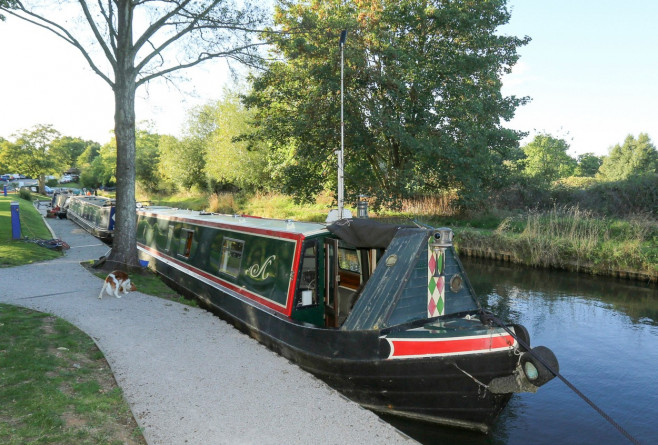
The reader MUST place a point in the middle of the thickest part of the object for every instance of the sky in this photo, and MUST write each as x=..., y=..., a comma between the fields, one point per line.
x=591, y=72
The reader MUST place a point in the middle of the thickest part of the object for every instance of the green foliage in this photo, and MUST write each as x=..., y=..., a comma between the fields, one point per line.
x=227, y=159
x=67, y=150
x=25, y=194
x=635, y=157
x=146, y=159
x=636, y=195
x=181, y=162
x=213, y=153
x=588, y=165
x=546, y=159
x=103, y=167
x=7, y=4
x=30, y=154
x=99, y=164
x=423, y=102
x=191, y=201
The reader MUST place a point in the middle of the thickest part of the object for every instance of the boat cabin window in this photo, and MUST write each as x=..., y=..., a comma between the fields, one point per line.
x=348, y=259
x=185, y=247
x=231, y=256
x=308, y=276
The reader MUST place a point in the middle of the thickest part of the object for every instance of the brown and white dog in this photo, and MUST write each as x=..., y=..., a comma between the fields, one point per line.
x=115, y=283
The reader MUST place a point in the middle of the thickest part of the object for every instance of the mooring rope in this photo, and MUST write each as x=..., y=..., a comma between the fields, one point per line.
x=488, y=316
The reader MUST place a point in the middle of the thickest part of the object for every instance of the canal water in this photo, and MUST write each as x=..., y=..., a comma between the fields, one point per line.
x=604, y=332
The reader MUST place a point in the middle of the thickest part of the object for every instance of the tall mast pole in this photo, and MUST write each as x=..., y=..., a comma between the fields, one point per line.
x=341, y=198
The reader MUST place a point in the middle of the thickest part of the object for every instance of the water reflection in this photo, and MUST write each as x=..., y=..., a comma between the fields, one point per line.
x=637, y=300
x=604, y=332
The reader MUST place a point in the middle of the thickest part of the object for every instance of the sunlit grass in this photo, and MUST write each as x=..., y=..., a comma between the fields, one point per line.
x=573, y=239
x=55, y=385
x=17, y=252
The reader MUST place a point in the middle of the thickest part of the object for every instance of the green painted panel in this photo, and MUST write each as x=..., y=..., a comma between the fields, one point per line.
x=258, y=263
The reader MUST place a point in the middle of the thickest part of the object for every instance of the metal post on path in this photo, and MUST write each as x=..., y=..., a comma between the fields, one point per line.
x=15, y=221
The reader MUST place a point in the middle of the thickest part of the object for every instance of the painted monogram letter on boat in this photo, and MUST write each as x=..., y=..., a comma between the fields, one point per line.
x=259, y=272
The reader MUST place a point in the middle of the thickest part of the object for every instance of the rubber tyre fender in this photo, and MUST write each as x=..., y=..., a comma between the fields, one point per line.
x=522, y=334
x=542, y=374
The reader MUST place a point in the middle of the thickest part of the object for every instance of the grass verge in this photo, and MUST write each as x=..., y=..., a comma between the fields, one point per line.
x=55, y=385
x=17, y=252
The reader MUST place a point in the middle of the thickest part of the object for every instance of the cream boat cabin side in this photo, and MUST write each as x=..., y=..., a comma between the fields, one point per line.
x=384, y=314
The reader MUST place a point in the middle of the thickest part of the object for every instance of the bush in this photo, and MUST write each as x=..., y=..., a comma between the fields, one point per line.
x=25, y=194
x=637, y=195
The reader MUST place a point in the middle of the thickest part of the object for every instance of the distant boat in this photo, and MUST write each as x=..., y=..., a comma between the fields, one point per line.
x=95, y=214
x=385, y=314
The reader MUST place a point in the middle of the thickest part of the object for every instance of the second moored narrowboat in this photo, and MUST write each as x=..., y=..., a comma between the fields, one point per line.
x=95, y=214
x=383, y=313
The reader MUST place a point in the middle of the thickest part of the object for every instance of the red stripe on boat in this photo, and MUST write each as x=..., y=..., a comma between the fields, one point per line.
x=409, y=348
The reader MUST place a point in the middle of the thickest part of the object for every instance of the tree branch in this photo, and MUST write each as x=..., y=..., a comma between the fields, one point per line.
x=97, y=34
x=60, y=32
x=234, y=54
x=154, y=27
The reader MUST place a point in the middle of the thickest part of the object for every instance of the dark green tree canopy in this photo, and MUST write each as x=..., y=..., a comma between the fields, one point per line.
x=423, y=102
x=588, y=164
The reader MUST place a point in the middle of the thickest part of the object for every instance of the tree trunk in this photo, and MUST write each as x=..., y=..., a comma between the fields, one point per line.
x=42, y=184
x=124, y=247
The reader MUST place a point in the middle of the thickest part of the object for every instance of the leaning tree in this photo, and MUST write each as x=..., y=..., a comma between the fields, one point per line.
x=129, y=43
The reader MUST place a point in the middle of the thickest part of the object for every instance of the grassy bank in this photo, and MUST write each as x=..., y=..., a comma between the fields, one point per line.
x=55, y=385
x=17, y=252
x=564, y=238
x=569, y=238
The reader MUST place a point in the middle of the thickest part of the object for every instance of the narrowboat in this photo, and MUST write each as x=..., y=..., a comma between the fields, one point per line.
x=95, y=214
x=383, y=313
x=60, y=202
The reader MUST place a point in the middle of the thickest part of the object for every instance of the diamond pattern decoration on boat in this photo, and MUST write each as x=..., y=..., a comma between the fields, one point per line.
x=435, y=281
x=431, y=286
x=432, y=306
x=431, y=264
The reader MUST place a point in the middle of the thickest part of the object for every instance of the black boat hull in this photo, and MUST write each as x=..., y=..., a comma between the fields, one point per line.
x=443, y=390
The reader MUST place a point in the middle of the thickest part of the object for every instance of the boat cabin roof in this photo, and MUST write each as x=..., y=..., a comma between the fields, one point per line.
x=245, y=221
x=99, y=201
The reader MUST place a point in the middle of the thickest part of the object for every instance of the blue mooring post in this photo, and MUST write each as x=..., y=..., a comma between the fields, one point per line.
x=15, y=221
